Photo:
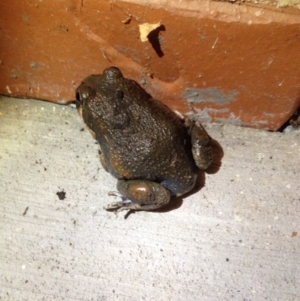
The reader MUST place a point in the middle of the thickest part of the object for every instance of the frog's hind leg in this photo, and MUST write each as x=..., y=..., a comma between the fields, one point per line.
x=200, y=140
x=141, y=195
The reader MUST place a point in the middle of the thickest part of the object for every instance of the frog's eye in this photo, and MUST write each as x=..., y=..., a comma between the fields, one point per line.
x=120, y=94
x=112, y=74
x=78, y=100
x=83, y=93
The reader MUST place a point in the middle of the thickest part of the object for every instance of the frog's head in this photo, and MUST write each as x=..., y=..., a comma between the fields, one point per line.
x=100, y=99
x=106, y=86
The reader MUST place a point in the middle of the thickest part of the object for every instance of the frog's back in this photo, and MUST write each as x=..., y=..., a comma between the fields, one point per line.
x=149, y=141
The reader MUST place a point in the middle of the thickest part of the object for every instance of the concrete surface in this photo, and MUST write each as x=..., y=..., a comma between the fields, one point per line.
x=238, y=238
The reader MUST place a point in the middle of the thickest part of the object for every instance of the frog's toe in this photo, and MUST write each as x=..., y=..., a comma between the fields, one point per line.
x=120, y=206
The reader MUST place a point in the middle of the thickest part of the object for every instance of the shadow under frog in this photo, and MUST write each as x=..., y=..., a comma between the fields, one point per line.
x=155, y=154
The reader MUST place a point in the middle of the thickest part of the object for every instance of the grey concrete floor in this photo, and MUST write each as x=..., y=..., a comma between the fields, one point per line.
x=238, y=238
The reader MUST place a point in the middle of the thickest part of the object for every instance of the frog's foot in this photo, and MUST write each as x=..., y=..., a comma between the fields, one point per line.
x=201, y=148
x=123, y=205
x=141, y=195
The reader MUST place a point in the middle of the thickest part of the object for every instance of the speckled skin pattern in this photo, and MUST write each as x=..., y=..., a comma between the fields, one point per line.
x=139, y=137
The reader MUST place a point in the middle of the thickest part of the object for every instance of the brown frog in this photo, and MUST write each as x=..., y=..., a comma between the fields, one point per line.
x=154, y=153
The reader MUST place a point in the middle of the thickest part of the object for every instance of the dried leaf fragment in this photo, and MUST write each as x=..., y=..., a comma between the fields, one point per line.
x=127, y=20
x=145, y=29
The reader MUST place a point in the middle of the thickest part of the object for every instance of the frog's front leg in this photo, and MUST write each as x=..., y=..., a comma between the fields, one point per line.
x=141, y=195
x=200, y=140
